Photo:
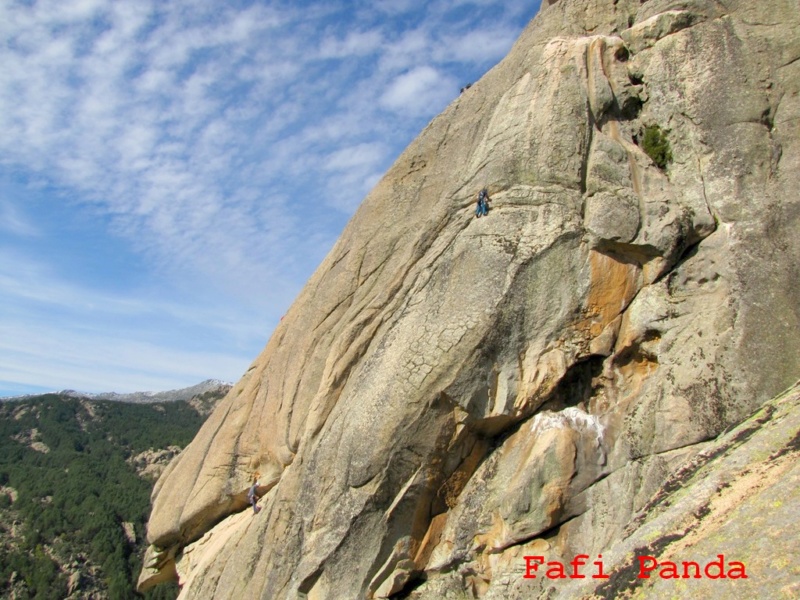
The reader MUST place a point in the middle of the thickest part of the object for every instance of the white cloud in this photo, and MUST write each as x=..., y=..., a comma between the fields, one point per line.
x=56, y=334
x=354, y=171
x=357, y=43
x=421, y=90
x=356, y=157
x=395, y=7
x=481, y=45
x=58, y=359
x=218, y=138
x=411, y=48
x=14, y=222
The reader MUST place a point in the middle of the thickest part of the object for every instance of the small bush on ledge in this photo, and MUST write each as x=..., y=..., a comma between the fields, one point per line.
x=656, y=146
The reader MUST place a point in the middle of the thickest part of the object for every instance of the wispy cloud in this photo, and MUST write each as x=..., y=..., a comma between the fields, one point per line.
x=14, y=222
x=59, y=334
x=217, y=139
x=413, y=92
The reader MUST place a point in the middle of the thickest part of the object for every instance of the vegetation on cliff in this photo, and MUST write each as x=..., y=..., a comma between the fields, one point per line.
x=656, y=145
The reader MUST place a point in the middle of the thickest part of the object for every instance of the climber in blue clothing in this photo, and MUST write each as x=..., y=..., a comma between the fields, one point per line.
x=483, y=204
x=252, y=496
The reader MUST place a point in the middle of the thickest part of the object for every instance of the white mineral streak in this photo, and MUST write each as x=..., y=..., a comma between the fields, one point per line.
x=571, y=417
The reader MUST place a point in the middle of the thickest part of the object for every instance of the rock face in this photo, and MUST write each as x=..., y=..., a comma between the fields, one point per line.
x=449, y=394
x=151, y=463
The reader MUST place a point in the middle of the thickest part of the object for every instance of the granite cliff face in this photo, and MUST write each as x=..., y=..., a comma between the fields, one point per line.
x=449, y=394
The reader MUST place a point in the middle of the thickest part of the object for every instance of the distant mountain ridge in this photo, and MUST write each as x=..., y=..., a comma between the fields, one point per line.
x=187, y=393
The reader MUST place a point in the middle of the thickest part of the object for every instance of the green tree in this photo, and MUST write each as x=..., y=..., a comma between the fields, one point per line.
x=77, y=496
x=656, y=145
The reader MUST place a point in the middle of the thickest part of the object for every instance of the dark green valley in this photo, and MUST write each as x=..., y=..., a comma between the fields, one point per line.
x=75, y=482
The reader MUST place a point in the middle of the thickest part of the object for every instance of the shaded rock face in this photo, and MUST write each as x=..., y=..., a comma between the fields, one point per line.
x=449, y=393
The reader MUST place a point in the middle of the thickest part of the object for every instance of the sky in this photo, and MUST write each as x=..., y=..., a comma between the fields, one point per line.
x=172, y=172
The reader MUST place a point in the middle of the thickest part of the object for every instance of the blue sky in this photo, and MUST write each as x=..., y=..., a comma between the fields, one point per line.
x=172, y=172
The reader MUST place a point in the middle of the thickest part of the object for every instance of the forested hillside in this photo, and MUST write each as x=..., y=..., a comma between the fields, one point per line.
x=74, y=492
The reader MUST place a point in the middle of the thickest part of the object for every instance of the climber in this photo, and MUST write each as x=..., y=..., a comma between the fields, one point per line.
x=252, y=496
x=482, y=208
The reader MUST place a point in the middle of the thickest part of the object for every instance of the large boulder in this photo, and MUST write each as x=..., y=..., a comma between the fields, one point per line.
x=449, y=392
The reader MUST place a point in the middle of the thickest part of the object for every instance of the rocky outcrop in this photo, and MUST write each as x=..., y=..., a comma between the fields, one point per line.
x=32, y=439
x=449, y=394
x=737, y=497
x=151, y=463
